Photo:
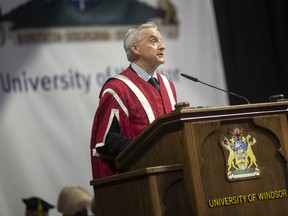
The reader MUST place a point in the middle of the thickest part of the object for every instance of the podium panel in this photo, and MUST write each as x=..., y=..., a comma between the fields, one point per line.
x=260, y=186
x=160, y=188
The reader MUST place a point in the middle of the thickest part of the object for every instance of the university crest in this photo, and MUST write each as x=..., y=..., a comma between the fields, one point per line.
x=239, y=156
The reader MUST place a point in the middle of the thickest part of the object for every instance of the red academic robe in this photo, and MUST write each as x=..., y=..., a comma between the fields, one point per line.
x=135, y=103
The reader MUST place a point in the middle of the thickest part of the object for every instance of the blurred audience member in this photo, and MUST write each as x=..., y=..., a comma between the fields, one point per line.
x=74, y=200
x=36, y=206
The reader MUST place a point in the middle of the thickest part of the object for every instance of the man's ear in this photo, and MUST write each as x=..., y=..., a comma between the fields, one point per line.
x=135, y=49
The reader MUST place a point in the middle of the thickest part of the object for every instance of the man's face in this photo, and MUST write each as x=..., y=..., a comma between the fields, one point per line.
x=151, y=48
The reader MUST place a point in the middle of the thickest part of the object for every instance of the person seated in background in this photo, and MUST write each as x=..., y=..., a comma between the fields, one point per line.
x=74, y=200
x=36, y=206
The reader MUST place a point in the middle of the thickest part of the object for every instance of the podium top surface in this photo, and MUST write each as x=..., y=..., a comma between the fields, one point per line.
x=194, y=113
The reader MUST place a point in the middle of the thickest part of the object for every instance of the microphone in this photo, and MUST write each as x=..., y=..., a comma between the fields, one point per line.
x=197, y=80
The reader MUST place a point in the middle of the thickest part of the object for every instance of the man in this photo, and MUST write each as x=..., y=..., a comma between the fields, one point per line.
x=128, y=102
x=36, y=206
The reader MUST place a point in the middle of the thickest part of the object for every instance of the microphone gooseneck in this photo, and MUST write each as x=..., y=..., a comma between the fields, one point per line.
x=197, y=80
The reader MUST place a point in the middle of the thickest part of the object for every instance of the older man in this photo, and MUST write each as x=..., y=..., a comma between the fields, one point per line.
x=129, y=102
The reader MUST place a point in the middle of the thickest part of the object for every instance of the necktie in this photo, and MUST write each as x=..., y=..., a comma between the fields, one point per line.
x=154, y=83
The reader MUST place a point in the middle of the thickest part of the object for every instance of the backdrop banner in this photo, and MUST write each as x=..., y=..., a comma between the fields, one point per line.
x=55, y=57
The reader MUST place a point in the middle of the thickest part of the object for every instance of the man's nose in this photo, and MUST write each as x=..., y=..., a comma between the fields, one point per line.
x=162, y=46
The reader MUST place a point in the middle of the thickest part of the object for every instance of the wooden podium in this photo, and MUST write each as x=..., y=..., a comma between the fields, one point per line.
x=228, y=160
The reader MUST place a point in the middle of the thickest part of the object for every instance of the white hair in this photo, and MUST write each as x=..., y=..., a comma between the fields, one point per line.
x=73, y=198
x=133, y=37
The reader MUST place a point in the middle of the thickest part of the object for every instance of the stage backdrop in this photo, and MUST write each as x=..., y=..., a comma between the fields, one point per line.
x=54, y=58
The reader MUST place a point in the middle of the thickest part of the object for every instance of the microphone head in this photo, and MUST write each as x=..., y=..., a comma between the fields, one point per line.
x=189, y=77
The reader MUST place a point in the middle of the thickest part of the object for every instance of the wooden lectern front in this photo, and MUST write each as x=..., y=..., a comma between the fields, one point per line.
x=218, y=161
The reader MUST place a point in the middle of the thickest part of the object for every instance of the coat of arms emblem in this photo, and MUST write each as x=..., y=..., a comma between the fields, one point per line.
x=239, y=155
